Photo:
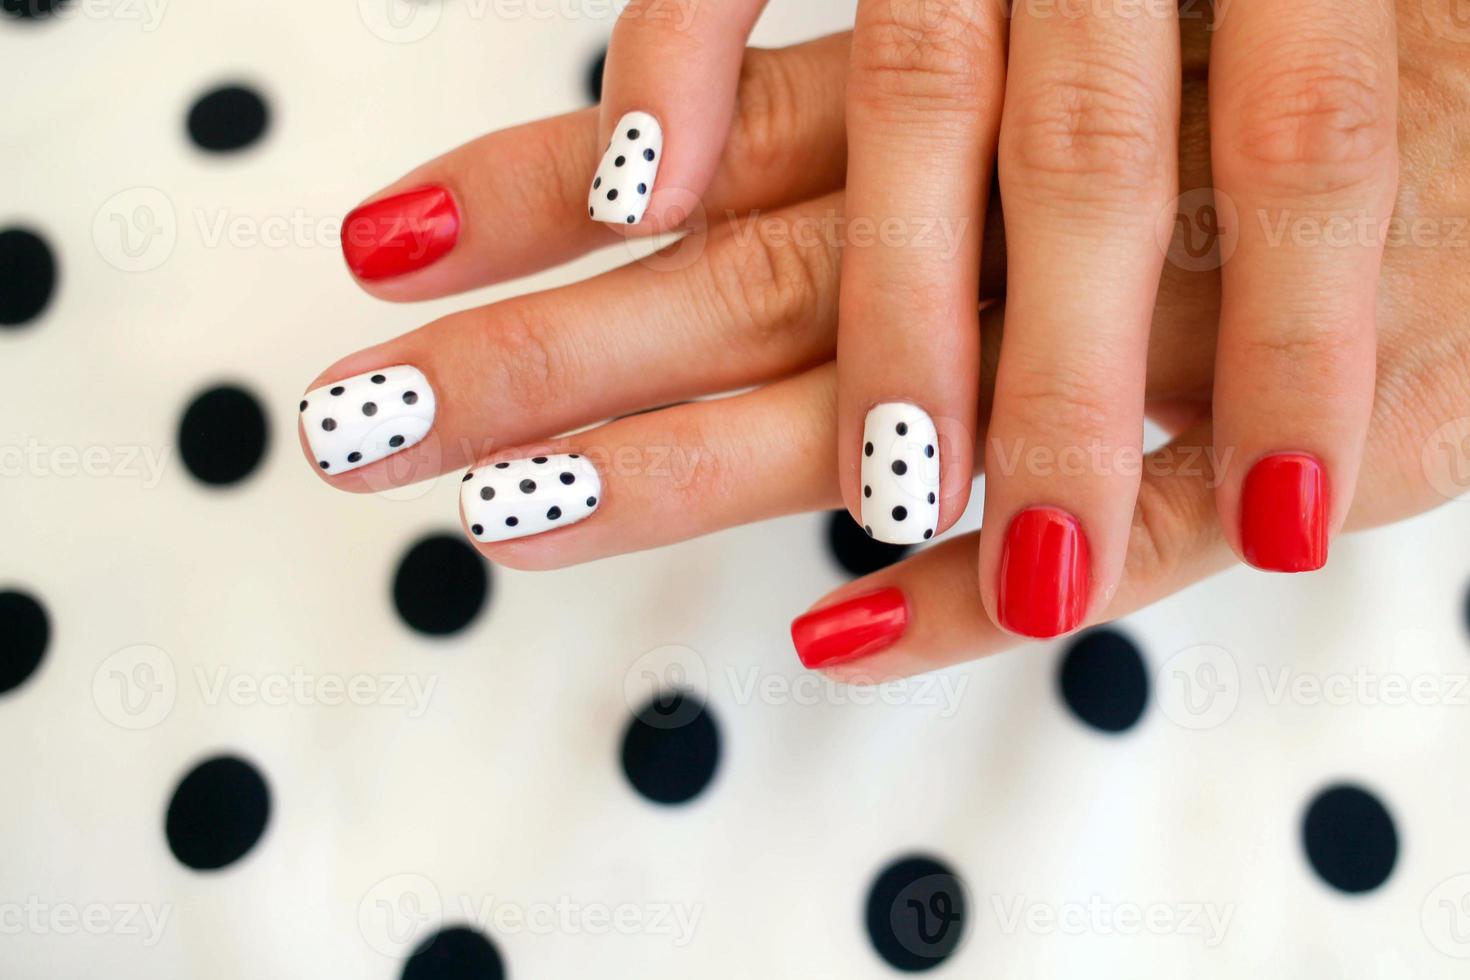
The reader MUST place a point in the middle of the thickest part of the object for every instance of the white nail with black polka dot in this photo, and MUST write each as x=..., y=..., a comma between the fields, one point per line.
x=359, y=420
x=624, y=179
x=900, y=492
x=520, y=497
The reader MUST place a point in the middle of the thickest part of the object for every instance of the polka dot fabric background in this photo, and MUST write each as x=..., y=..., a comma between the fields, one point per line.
x=254, y=728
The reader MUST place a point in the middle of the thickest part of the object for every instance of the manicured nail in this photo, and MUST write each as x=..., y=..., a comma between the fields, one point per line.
x=1283, y=514
x=359, y=420
x=400, y=233
x=520, y=497
x=856, y=628
x=624, y=180
x=900, y=472
x=1044, y=569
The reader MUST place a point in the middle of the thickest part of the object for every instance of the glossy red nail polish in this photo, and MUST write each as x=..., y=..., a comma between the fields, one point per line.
x=1044, y=573
x=1283, y=514
x=852, y=629
x=400, y=233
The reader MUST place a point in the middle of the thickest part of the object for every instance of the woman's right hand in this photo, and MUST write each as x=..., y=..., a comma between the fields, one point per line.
x=750, y=300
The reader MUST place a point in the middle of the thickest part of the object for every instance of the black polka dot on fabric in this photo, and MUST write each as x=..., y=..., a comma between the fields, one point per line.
x=671, y=748
x=441, y=585
x=1350, y=839
x=1103, y=680
x=855, y=549
x=916, y=913
x=217, y=813
x=454, y=953
x=222, y=435
x=228, y=118
x=25, y=631
x=594, y=75
x=31, y=9
x=27, y=276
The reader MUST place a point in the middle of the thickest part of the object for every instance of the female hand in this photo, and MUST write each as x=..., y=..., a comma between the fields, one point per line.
x=752, y=302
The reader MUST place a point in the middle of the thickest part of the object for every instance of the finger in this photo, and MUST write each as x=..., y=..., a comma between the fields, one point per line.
x=668, y=95
x=924, y=97
x=1303, y=110
x=1087, y=166
x=748, y=304
x=514, y=202
x=656, y=478
x=921, y=614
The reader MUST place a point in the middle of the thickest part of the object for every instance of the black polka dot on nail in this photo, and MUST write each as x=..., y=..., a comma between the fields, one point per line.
x=591, y=212
x=619, y=161
x=303, y=406
x=227, y=118
x=928, y=534
x=410, y=397
x=501, y=466
x=900, y=467
x=337, y=390
x=573, y=456
x=223, y=435
x=900, y=513
x=553, y=514
x=591, y=501
x=377, y=379
x=596, y=183
x=467, y=476
x=568, y=479
x=642, y=188
x=868, y=528
x=648, y=155
x=867, y=491
x=369, y=408
x=455, y=953
x=25, y=632
x=354, y=457
x=477, y=529
x=328, y=424
x=528, y=486
x=487, y=493
x=217, y=813
x=512, y=521
x=902, y=428
x=632, y=134
x=27, y=276
x=929, y=451
x=630, y=219
x=612, y=195
x=324, y=465
x=931, y=498
x=538, y=459
x=396, y=441
x=441, y=585
x=868, y=449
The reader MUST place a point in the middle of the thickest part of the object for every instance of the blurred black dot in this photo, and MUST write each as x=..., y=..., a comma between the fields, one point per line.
x=441, y=585
x=227, y=118
x=1103, y=680
x=31, y=9
x=24, y=633
x=222, y=435
x=27, y=276
x=1350, y=839
x=455, y=953
x=916, y=913
x=217, y=814
x=854, y=550
x=671, y=748
x=594, y=75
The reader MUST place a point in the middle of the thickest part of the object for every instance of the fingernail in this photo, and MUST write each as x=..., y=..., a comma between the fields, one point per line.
x=900, y=502
x=856, y=628
x=1283, y=514
x=1043, y=574
x=361, y=419
x=400, y=233
x=520, y=497
x=624, y=179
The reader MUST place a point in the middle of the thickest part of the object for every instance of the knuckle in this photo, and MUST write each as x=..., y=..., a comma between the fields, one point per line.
x=910, y=55
x=532, y=369
x=1312, y=355
x=1063, y=405
x=1164, y=531
x=1094, y=132
x=767, y=113
x=771, y=288
x=1316, y=122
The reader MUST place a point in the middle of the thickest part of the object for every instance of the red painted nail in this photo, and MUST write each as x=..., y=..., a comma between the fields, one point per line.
x=1283, y=514
x=852, y=629
x=400, y=233
x=1044, y=570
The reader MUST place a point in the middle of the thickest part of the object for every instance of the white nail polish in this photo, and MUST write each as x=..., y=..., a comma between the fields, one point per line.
x=900, y=491
x=359, y=420
x=624, y=180
x=520, y=497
